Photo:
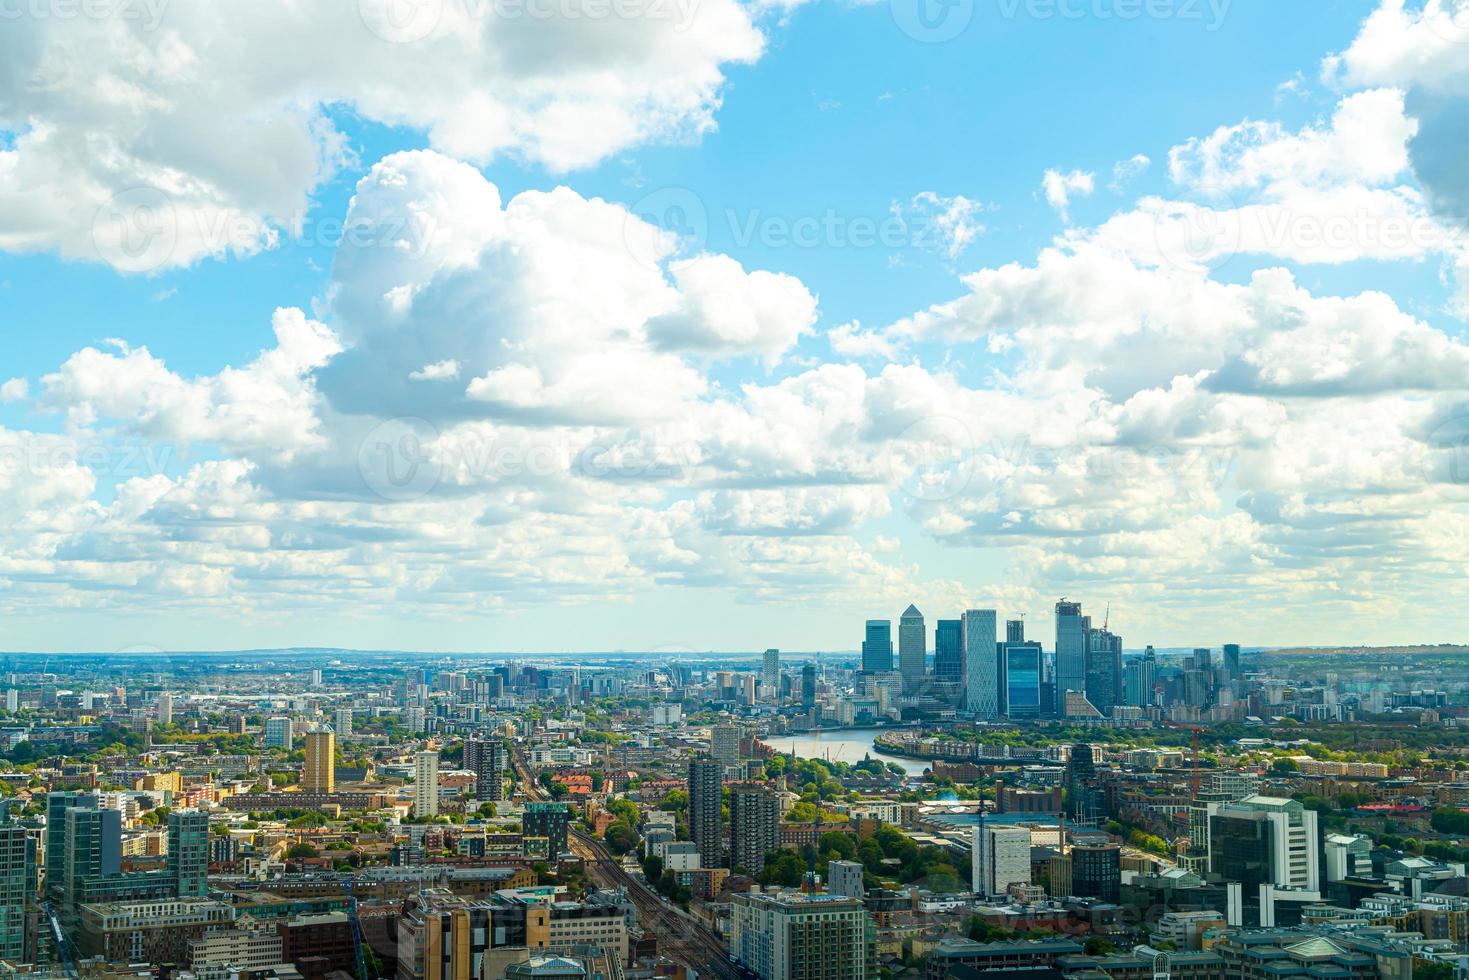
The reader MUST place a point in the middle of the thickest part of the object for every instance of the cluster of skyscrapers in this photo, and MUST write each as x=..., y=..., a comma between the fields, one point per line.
x=988, y=677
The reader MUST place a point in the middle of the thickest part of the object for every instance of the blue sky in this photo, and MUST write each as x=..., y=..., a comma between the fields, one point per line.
x=1276, y=424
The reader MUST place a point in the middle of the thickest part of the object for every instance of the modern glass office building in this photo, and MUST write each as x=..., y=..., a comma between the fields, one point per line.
x=948, y=651
x=1020, y=680
x=877, y=646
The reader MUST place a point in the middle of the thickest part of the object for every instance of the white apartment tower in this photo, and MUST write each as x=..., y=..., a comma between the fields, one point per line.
x=426, y=784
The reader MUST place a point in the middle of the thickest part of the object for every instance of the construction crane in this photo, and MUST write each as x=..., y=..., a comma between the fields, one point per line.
x=356, y=932
x=1195, y=729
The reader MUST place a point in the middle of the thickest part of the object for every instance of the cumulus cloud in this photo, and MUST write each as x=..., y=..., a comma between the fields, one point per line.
x=151, y=142
x=947, y=225
x=1060, y=188
x=542, y=398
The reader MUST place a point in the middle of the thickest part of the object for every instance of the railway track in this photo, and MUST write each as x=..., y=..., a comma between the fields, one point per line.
x=679, y=935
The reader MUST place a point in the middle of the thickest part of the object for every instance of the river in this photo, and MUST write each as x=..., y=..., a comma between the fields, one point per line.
x=843, y=746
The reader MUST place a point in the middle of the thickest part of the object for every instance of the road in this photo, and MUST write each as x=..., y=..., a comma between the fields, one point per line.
x=680, y=936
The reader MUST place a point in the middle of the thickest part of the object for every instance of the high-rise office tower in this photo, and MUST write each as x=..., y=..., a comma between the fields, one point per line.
x=1014, y=631
x=754, y=826
x=426, y=784
x=808, y=685
x=912, y=649
x=877, y=646
x=165, y=708
x=486, y=759
x=342, y=722
x=1083, y=795
x=948, y=651
x=791, y=936
x=278, y=734
x=981, y=664
x=1138, y=678
x=706, y=826
x=1103, y=669
x=1070, y=650
x=1265, y=840
x=17, y=866
x=548, y=820
x=188, y=852
x=770, y=675
x=724, y=745
x=57, y=804
x=91, y=848
x=1096, y=871
x=1231, y=661
x=319, y=775
x=1000, y=857
x=1020, y=679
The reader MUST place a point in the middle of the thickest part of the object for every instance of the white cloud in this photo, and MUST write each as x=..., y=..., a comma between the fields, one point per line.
x=727, y=311
x=1366, y=143
x=15, y=390
x=1126, y=171
x=850, y=340
x=266, y=408
x=151, y=145
x=1060, y=188
x=945, y=224
x=532, y=373
x=445, y=370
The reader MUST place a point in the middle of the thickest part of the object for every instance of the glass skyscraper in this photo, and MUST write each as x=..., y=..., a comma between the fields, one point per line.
x=877, y=647
x=948, y=651
x=981, y=664
x=912, y=648
x=1020, y=665
x=1070, y=650
x=188, y=852
x=17, y=866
